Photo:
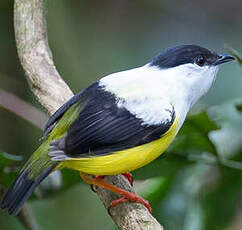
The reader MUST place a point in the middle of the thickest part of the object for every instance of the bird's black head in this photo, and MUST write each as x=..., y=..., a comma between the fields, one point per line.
x=185, y=54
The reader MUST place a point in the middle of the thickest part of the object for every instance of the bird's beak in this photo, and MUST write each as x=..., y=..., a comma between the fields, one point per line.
x=223, y=58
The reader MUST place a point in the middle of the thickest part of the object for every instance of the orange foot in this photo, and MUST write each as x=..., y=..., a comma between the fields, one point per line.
x=133, y=198
x=127, y=196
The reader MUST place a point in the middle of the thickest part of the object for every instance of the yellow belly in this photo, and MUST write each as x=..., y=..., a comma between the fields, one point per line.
x=125, y=160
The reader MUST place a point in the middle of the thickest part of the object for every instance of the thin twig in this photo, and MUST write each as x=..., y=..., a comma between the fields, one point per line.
x=22, y=109
x=52, y=92
x=25, y=216
x=27, y=219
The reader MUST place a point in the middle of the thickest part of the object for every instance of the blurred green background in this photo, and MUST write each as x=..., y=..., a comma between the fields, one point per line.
x=90, y=39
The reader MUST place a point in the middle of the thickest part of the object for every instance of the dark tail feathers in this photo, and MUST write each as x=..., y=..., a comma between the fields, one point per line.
x=21, y=189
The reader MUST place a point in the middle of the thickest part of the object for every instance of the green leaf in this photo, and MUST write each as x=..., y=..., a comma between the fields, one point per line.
x=235, y=53
x=194, y=136
x=6, y=157
x=8, y=167
x=229, y=138
x=239, y=107
x=51, y=186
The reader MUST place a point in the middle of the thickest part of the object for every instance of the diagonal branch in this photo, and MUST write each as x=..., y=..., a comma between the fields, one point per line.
x=51, y=91
x=26, y=218
x=22, y=109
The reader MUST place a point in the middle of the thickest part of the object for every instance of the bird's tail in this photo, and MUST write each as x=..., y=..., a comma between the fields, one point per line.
x=35, y=170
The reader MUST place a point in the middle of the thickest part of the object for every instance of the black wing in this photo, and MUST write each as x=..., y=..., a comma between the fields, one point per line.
x=102, y=127
x=51, y=123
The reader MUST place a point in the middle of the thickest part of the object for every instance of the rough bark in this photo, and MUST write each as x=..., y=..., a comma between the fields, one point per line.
x=51, y=91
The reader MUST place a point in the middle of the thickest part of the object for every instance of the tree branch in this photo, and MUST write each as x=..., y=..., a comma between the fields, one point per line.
x=51, y=91
x=35, y=55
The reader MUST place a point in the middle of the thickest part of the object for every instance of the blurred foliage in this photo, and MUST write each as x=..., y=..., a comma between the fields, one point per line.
x=196, y=184
x=235, y=53
x=205, y=194
x=239, y=107
x=8, y=169
x=190, y=145
x=54, y=184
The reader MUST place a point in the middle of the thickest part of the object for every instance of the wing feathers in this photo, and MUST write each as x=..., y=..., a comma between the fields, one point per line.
x=102, y=127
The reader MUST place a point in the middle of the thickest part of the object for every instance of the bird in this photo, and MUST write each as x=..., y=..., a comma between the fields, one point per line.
x=120, y=123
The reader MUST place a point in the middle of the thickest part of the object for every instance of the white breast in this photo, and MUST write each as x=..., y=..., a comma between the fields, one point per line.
x=150, y=111
x=140, y=92
x=151, y=93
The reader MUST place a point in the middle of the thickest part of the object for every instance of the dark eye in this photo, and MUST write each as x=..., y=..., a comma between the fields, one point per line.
x=200, y=60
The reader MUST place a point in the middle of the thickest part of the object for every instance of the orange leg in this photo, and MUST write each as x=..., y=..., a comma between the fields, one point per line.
x=127, y=196
x=99, y=177
x=129, y=177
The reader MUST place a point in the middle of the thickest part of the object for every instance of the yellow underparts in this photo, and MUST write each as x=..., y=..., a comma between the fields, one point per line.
x=125, y=160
